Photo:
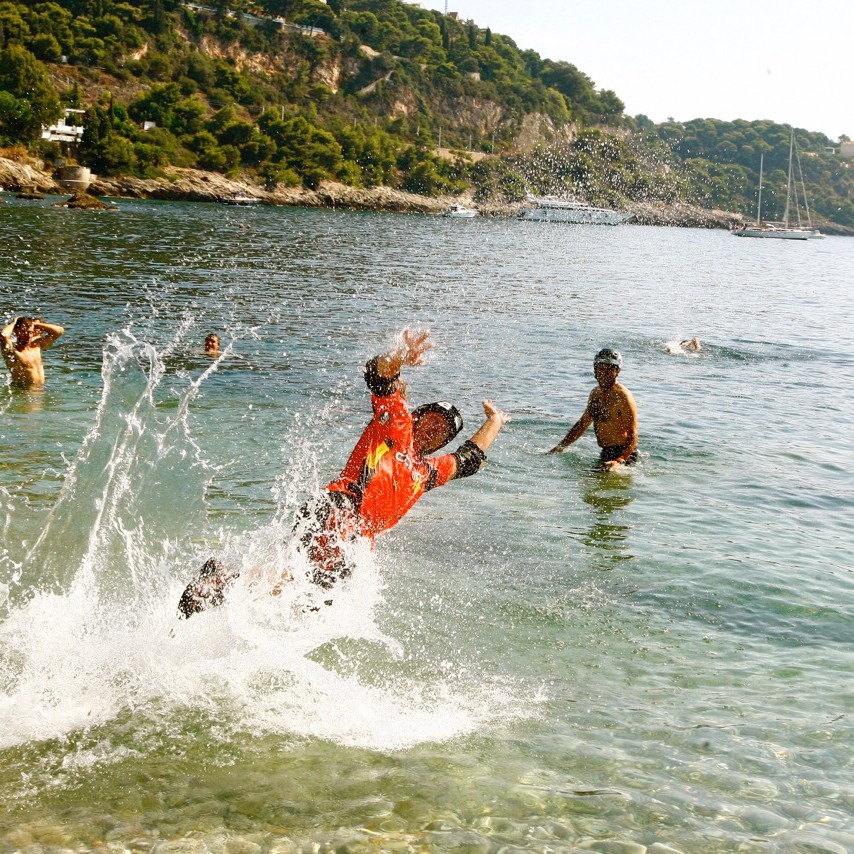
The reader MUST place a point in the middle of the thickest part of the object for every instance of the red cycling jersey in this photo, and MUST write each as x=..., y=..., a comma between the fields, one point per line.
x=385, y=476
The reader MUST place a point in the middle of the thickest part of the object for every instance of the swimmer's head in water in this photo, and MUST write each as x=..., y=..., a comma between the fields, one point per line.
x=212, y=342
x=607, y=356
x=434, y=425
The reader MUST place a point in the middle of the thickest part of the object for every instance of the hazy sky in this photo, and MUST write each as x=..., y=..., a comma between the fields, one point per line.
x=725, y=59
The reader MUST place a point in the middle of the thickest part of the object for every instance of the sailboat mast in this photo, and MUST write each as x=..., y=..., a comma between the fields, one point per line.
x=803, y=188
x=759, y=203
x=789, y=182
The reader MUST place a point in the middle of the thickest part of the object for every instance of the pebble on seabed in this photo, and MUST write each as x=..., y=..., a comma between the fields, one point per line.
x=180, y=846
x=815, y=843
x=612, y=846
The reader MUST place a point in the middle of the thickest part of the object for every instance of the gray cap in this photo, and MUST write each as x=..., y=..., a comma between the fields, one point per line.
x=607, y=356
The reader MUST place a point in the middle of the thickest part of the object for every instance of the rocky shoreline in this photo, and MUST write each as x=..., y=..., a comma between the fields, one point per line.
x=194, y=185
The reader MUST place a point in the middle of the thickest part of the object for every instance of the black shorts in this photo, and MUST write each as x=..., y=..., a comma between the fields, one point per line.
x=324, y=524
x=612, y=452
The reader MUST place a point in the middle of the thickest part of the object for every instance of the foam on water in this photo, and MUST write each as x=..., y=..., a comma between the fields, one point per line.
x=89, y=628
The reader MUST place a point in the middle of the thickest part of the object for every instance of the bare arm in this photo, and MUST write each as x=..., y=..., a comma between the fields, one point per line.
x=6, y=346
x=6, y=334
x=471, y=455
x=575, y=432
x=49, y=333
x=495, y=420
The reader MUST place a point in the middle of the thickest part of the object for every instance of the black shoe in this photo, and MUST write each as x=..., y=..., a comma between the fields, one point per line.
x=207, y=589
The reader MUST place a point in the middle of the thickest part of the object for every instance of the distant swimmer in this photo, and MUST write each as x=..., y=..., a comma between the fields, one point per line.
x=23, y=355
x=612, y=411
x=212, y=345
x=681, y=348
x=388, y=472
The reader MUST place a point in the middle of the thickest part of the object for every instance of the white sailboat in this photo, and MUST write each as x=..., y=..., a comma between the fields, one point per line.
x=782, y=230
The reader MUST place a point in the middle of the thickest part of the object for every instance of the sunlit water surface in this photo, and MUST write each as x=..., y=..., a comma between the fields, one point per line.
x=541, y=658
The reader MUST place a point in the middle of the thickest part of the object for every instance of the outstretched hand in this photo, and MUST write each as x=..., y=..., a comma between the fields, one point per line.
x=494, y=414
x=413, y=345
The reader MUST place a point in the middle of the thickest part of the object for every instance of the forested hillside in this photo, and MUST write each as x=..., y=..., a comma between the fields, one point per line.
x=366, y=93
x=724, y=158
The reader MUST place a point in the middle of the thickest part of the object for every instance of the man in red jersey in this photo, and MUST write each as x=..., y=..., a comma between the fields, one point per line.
x=389, y=470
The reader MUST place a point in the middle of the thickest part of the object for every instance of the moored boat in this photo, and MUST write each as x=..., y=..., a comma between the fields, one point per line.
x=461, y=212
x=548, y=209
x=776, y=230
x=782, y=230
x=240, y=199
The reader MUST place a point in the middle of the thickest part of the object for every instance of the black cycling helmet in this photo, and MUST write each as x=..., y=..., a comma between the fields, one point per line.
x=607, y=356
x=436, y=437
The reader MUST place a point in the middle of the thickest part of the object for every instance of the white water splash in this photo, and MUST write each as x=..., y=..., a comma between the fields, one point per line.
x=92, y=633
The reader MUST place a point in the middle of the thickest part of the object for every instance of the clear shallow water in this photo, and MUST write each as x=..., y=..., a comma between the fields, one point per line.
x=540, y=658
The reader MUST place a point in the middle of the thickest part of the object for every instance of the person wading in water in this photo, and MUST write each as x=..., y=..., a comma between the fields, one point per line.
x=612, y=411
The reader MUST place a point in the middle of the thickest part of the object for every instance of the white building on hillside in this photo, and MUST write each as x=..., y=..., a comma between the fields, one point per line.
x=65, y=130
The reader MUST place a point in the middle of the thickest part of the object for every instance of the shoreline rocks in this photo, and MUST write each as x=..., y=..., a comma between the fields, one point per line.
x=682, y=215
x=193, y=185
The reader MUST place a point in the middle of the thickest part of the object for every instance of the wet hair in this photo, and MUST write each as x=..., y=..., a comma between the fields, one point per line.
x=378, y=384
x=22, y=323
x=207, y=589
x=211, y=568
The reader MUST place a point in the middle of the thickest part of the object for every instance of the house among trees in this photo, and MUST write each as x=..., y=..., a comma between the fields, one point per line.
x=65, y=130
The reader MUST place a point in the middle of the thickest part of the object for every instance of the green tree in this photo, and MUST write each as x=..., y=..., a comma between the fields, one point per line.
x=471, y=32
x=102, y=149
x=71, y=97
x=45, y=47
x=26, y=79
x=15, y=119
x=158, y=105
x=13, y=28
x=258, y=149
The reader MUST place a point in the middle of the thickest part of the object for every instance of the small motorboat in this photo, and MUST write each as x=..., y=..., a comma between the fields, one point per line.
x=461, y=212
x=240, y=199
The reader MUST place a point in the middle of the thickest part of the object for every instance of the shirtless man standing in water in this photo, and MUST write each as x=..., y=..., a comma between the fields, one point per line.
x=612, y=411
x=24, y=357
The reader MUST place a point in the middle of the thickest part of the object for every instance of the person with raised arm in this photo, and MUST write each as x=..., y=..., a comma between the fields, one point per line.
x=391, y=467
x=23, y=355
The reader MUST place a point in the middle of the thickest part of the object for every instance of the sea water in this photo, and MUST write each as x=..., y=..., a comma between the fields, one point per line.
x=542, y=658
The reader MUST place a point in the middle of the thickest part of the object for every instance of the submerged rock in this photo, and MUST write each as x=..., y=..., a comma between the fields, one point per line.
x=83, y=201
